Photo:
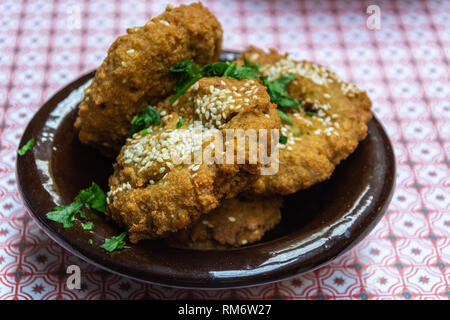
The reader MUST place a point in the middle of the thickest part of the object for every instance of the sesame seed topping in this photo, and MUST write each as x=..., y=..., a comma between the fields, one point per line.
x=160, y=152
x=318, y=74
x=314, y=72
x=215, y=107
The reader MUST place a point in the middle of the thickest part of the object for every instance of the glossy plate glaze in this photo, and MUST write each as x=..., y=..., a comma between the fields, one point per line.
x=318, y=224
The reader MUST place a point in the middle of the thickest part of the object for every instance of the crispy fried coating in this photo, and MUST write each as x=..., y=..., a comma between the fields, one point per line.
x=237, y=222
x=326, y=129
x=159, y=186
x=136, y=73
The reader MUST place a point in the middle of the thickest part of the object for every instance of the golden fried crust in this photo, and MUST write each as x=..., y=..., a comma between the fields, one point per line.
x=236, y=222
x=152, y=195
x=317, y=143
x=136, y=73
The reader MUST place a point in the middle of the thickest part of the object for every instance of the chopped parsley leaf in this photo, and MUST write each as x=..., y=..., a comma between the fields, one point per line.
x=26, y=147
x=283, y=139
x=284, y=117
x=244, y=72
x=229, y=71
x=184, y=88
x=115, y=243
x=247, y=71
x=180, y=123
x=185, y=70
x=92, y=197
x=65, y=214
x=277, y=92
x=217, y=69
x=88, y=226
x=145, y=131
x=143, y=120
x=189, y=73
x=310, y=113
x=90, y=241
x=249, y=64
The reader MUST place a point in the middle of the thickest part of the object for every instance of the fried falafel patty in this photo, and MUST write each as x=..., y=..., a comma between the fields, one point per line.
x=159, y=187
x=237, y=222
x=325, y=130
x=136, y=73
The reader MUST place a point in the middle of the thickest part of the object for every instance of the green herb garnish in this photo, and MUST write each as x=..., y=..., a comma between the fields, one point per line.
x=184, y=88
x=115, y=243
x=88, y=226
x=188, y=73
x=249, y=64
x=277, y=92
x=284, y=117
x=26, y=147
x=90, y=241
x=92, y=197
x=283, y=139
x=145, y=131
x=229, y=70
x=217, y=69
x=65, y=214
x=143, y=120
x=184, y=70
x=247, y=71
x=180, y=123
x=310, y=113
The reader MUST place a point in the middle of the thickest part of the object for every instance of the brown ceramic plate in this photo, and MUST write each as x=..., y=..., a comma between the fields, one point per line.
x=318, y=224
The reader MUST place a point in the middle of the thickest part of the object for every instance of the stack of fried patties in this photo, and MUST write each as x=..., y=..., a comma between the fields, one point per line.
x=163, y=105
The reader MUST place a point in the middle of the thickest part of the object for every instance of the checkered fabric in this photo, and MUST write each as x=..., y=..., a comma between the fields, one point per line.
x=404, y=66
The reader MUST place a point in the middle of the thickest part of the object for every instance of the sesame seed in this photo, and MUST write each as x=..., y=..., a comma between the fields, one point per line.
x=254, y=57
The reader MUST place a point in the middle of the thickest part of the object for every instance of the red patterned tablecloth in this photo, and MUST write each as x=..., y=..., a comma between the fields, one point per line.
x=404, y=66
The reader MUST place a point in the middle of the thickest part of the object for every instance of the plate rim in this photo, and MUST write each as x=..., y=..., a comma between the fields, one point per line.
x=293, y=269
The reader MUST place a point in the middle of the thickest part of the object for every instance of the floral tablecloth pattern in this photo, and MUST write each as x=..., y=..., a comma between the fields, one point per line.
x=403, y=65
